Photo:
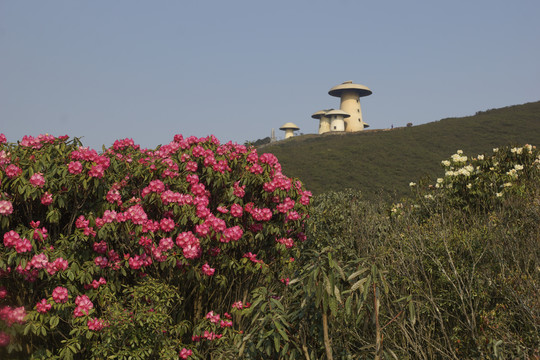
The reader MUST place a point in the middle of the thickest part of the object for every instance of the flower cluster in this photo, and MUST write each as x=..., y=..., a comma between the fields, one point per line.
x=471, y=178
x=185, y=212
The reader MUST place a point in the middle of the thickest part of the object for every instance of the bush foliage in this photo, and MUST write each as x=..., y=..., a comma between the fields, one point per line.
x=137, y=253
x=196, y=250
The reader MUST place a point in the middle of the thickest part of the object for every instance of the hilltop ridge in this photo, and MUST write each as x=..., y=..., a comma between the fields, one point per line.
x=386, y=160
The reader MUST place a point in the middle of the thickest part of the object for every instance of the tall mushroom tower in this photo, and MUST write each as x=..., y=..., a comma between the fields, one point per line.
x=350, y=95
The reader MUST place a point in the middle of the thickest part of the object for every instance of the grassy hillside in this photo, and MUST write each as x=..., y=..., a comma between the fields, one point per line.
x=387, y=160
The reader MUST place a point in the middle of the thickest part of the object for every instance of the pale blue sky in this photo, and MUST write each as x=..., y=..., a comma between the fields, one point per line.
x=110, y=69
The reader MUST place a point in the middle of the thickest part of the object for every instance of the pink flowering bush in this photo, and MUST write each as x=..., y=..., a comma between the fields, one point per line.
x=127, y=251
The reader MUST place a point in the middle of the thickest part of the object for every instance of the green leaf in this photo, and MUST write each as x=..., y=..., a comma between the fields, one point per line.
x=54, y=321
x=359, y=285
x=337, y=294
x=277, y=303
x=280, y=330
x=357, y=273
x=412, y=313
x=276, y=342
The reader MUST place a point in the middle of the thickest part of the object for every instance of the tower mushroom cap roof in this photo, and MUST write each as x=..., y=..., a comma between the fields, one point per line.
x=338, y=112
x=349, y=86
x=319, y=114
x=289, y=125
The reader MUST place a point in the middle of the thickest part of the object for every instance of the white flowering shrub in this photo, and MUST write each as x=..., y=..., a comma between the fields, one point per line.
x=482, y=181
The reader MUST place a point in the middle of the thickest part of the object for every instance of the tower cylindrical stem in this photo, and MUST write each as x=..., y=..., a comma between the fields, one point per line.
x=350, y=103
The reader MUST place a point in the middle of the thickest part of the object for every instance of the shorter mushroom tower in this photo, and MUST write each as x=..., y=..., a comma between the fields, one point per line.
x=349, y=94
x=289, y=129
x=324, y=121
x=337, y=119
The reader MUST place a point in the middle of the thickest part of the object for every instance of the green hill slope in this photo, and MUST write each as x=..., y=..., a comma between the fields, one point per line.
x=387, y=160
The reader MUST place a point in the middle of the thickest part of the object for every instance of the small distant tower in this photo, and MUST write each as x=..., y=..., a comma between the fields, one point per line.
x=289, y=129
x=324, y=121
x=350, y=95
x=273, y=136
x=337, y=119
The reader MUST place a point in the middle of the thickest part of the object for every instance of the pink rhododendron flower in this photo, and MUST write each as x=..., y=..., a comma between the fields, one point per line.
x=286, y=205
x=75, y=167
x=186, y=238
x=216, y=223
x=3, y=139
x=304, y=200
x=37, y=180
x=184, y=353
x=222, y=166
x=222, y=209
x=101, y=261
x=138, y=261
x=285, y=281
x=207, y=270
x=81, y=222
x=256, y=169
x=192, y=251
x=113, y=196
x=198, y=189
x=136, y=214
x=237, y=210
x=167, y=224
x=13, y=170
x=23, y=245
x=11, y=238
x=124, y=143
x=47, y=198
x=40, y=234
x=60, y=295
x=96, y=171
x=5, y=339
x=145, y=241
x=191, y=166
x=89, y=231
x=100, y=247
x=6, y=207
x=4, y=159
x=166, y=244
x=263, y=214
x=43, y=306
x=288, y=242
x=192, y=179
x=213, y=317
x=109, y=216
x=12, y=315
x=3, y=292
x=39, y=261
x=57, y=265
x=232, y=234
x=83, y=306
x=269, y=159
x=155, y=186
x=95, y=324
x=293, y=215
x=202, y=229
x=252, y=257
x=239, y=191
x=238, y=305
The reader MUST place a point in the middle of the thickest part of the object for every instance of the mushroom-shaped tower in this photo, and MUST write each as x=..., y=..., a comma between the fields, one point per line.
x=289, y=129
x=350, y=95
x=324, y=121
x=337, y=119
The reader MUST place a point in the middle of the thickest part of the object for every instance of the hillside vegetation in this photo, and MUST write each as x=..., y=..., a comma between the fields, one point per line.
x=386, y=161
